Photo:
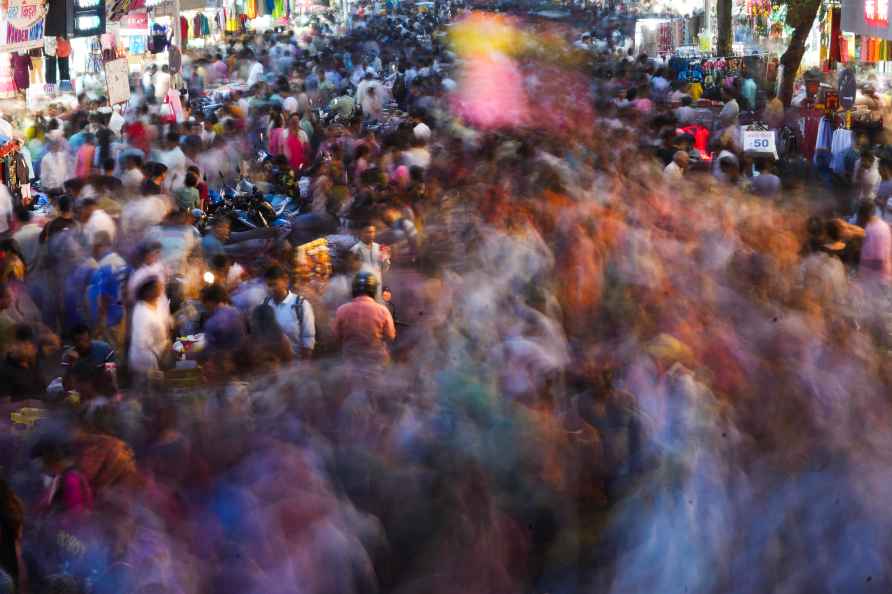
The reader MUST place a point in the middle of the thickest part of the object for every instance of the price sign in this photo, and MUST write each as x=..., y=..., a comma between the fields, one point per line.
x=759, y=141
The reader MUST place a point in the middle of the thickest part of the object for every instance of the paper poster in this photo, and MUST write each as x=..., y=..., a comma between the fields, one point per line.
x=21, y=26
x=117, y=79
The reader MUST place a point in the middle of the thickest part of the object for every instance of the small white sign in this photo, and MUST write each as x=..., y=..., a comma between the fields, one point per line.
x=117, y=78
x=759, y=141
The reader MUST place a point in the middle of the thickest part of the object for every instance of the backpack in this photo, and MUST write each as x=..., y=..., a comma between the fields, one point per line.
x=298, y=310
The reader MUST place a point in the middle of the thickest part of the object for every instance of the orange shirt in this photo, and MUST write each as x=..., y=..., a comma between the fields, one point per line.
x=362, y=327
x=63, y=47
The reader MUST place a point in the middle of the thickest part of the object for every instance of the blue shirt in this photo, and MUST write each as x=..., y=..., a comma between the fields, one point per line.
x=108, y=281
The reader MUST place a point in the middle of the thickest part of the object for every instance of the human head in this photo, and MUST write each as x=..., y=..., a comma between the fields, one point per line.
x=365, y=284
x=81, y=338
x=101, y=243
x=88, y=207
x=367, y=234
x=150, y=290
x=24, y=346
x=386, y=295
x=65, y=205
x=213, y=296
x=681, y=158
x=277, y=282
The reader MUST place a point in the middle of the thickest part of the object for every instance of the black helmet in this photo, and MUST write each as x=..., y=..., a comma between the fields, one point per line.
x=365, y=283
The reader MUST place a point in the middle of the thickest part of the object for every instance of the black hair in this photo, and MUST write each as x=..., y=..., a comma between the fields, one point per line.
x=22, y=214
x=215, y=294
x=108, y=164
x=79, y=329
x=65, y=203
x=24, y=333
x=74, y=184
x=275, y=272
x=191, y=180
x=144, y=290
x=220, y=261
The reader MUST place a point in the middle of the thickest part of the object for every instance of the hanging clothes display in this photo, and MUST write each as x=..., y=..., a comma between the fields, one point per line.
x=7, y=85
x=94, y=59
x=839, y=146
x=809, y=124
x=824, y=138
x=184, y=30
x=279, y=9
x=250, y=9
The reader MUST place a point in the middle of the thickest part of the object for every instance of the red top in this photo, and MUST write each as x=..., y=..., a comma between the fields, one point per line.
x=63, y=47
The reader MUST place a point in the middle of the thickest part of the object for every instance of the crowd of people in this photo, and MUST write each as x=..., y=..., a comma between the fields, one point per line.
x=561, y=354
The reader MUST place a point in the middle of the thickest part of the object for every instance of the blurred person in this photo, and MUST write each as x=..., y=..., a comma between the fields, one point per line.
x=876, y=252
x=132, y=177
x=12, y=524
x=95, y=221
x=270, y=345
x=294, y=313
x=27, y=237
x=21, y=372
x=675, y=170
x=363, y=327
x=372, y=257
x=63, y=220
x=105, y=291
x=150, y=330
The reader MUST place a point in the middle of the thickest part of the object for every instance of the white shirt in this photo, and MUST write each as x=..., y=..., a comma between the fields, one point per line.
x=162, y=84
x=150, y=336
x=54, y=170
x=255, y=74
x=301, y=334
x=290, y=104
x=132, y=179
x=175, y=160
x=418, y=156
x=673, y=172
x=99, y=221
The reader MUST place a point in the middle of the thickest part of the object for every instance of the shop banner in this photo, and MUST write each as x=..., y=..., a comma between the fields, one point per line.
x=135, y=23
x=21, y=26
x=866, y=17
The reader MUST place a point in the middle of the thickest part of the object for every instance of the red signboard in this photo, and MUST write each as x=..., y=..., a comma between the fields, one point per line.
x=135, y=21
x=876, y=13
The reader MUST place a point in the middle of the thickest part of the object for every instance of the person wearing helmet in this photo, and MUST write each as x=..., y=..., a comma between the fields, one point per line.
x=363, y=327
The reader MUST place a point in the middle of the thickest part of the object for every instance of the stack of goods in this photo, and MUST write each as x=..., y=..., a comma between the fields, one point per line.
x=312, y=262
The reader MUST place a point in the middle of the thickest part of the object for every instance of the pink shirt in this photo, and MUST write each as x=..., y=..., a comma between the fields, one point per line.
x=362, y=327
x=876, y=252
x=276, y=144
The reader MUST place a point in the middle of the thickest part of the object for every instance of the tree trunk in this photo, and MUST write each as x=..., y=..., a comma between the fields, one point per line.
x=792, y=58
x=724, y=38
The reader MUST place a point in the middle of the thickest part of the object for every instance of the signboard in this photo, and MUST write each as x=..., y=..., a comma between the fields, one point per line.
x=21, y=26
x=866, y=17
x=876, y=13
x=759, y=141
x=136, y=21
x=117, y=79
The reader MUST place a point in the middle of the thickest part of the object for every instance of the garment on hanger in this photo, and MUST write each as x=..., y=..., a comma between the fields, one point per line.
x=839, y=146
x=824, y=139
